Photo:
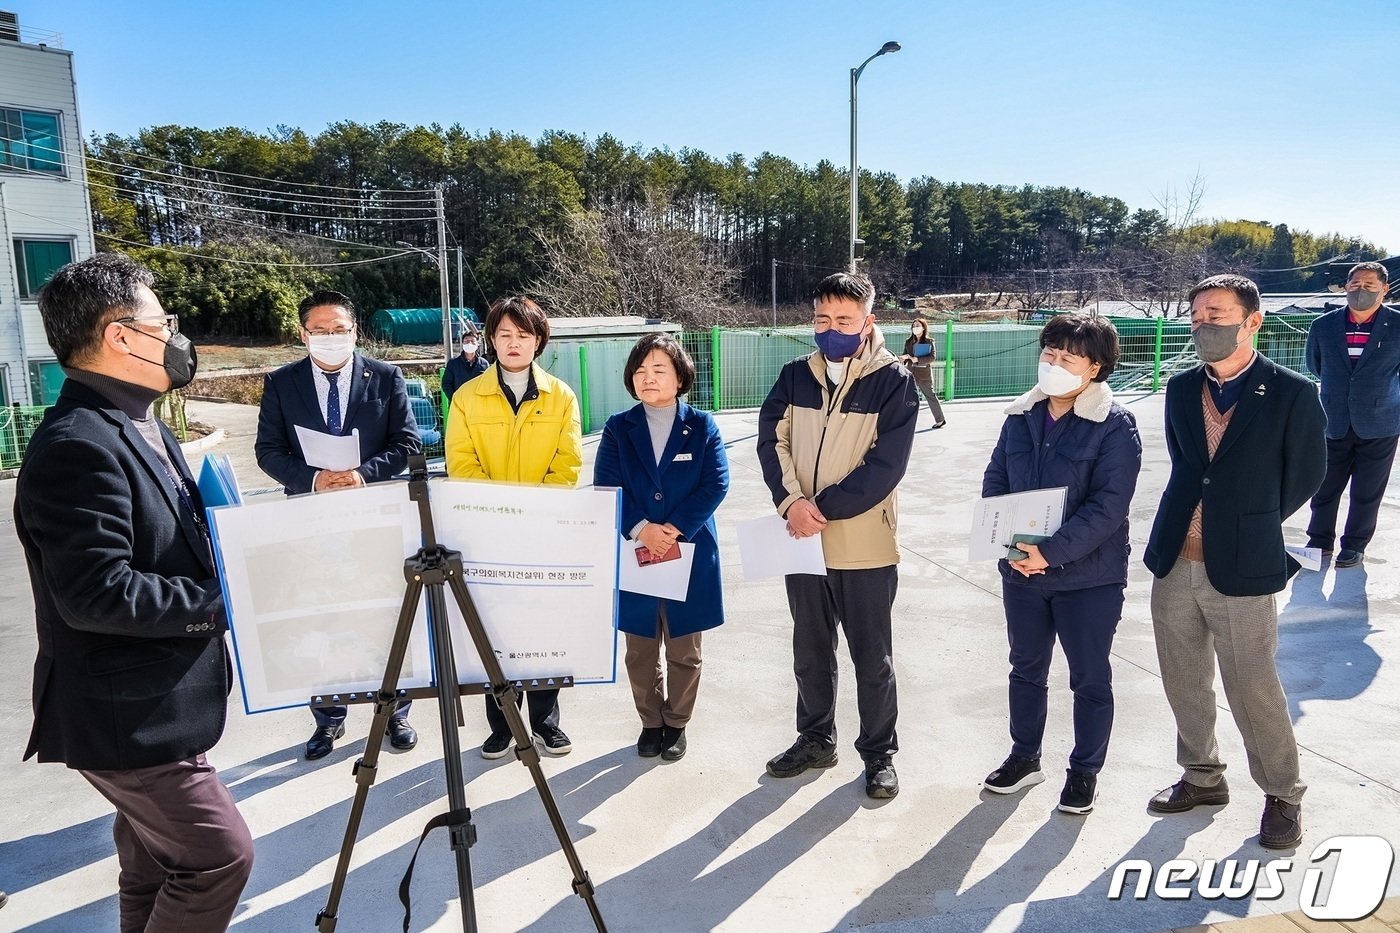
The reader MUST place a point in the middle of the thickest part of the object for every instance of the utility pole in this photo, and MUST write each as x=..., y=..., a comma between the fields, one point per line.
x=461, y=295
x=442, y=276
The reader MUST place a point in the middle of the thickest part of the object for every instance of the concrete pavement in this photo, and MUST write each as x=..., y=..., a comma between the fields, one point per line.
x=711, y=842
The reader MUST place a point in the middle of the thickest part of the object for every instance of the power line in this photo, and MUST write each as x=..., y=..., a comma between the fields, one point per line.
x=243, y=191
x=265, y=212
x=256, y=262
x=139, y=154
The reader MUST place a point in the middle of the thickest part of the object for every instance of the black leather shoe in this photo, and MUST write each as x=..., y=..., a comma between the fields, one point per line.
x=881, y=783
x=1346, y=557
x=1183, y=796
x=805, y=753
x=322, y=741
x=939, y=425
x=1282, y=824
x=649, y=742
x=401, y=735
x=672, y=743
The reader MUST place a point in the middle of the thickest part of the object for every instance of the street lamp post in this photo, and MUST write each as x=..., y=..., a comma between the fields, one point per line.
x=855, y=167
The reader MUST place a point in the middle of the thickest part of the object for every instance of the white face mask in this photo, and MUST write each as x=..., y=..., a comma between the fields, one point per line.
x=469, y=347
x=1056, y=380
x=332, y=349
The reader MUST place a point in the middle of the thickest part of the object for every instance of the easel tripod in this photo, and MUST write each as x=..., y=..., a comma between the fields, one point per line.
x=430, y=569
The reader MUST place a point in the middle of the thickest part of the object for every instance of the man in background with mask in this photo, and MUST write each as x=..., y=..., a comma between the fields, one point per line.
x=465, y=366
x=336, y=390
x=131, y=681
x=1247, y=451
x=1355, y=352
x=834, y=438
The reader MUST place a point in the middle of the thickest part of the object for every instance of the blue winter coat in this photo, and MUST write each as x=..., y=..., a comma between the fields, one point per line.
x=1096, y=454
x=685, y=490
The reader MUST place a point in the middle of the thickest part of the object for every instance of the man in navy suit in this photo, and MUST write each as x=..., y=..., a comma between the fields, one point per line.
x=131, y=680
x=1355, y=352
x=336, y=390
x=1245, y=439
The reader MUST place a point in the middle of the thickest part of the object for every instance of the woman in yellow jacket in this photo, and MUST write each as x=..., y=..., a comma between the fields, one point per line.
x=515, y=423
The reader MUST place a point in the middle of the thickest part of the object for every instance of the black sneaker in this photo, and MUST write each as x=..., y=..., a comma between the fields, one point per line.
x=649, y=742
x=553, y=740
x=1081, y=788
x=495, y=746
x=1015, y=773
x=805, y=753
x=881, y=783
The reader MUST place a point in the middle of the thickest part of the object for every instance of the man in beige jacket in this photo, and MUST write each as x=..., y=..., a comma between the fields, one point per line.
x=834, y=439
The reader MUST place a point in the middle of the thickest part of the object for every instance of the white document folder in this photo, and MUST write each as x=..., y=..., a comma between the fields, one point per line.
x=995, y=520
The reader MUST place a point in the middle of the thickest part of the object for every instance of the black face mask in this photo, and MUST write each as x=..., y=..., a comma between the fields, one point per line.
x=179, y=360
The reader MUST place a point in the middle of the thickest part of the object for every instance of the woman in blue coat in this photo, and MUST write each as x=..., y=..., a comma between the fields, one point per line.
x=668, y=460
x=1069, y=432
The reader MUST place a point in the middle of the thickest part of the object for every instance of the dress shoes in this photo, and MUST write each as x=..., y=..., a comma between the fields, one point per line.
x=1347, y=557
x=649, y=742
x=1282, y=824
x=401, y=735
x=322, y=741
x=672, y=743
x=1183, y=796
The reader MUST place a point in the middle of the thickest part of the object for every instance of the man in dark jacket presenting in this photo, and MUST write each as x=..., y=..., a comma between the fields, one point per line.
x=1247, y=451
x=339, y=392
x=131, y=682
x=834, y=438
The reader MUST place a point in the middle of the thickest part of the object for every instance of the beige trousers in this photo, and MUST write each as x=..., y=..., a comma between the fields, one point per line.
x=1196, y=626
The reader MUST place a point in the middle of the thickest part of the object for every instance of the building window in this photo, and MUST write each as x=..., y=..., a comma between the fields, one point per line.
x=37, y=261
x=31, y=140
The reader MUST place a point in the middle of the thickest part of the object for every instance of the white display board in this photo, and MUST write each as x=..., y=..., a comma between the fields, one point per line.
x=541, y=567
x=314, y=585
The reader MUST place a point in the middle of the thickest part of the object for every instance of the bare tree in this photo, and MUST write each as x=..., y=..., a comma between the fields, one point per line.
x=635, y=260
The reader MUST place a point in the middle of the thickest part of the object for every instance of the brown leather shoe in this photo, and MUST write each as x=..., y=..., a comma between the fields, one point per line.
x=1183, y=796
x=1282, y=824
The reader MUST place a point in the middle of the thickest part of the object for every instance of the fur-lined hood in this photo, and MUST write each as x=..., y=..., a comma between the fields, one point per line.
x=1093, y=404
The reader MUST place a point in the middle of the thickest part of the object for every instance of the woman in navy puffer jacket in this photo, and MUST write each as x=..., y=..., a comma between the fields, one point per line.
x=1069, y=432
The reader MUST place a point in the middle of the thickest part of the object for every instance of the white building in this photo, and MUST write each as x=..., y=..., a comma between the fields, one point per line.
x=45, y=218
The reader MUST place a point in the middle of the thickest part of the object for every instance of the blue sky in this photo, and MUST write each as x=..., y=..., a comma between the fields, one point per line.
x=1283, y=108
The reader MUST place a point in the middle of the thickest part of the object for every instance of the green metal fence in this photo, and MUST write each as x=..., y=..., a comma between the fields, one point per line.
x=735, y=368
x=17, y=424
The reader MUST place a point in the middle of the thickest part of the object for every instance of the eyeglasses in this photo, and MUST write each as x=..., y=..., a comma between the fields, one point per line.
x=338, y=332
x=169, y=321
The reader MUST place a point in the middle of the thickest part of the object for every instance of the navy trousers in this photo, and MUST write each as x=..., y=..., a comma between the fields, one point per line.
x=859, y=601
x=1084, y=621
x=1365, y=463
x=332, y=716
